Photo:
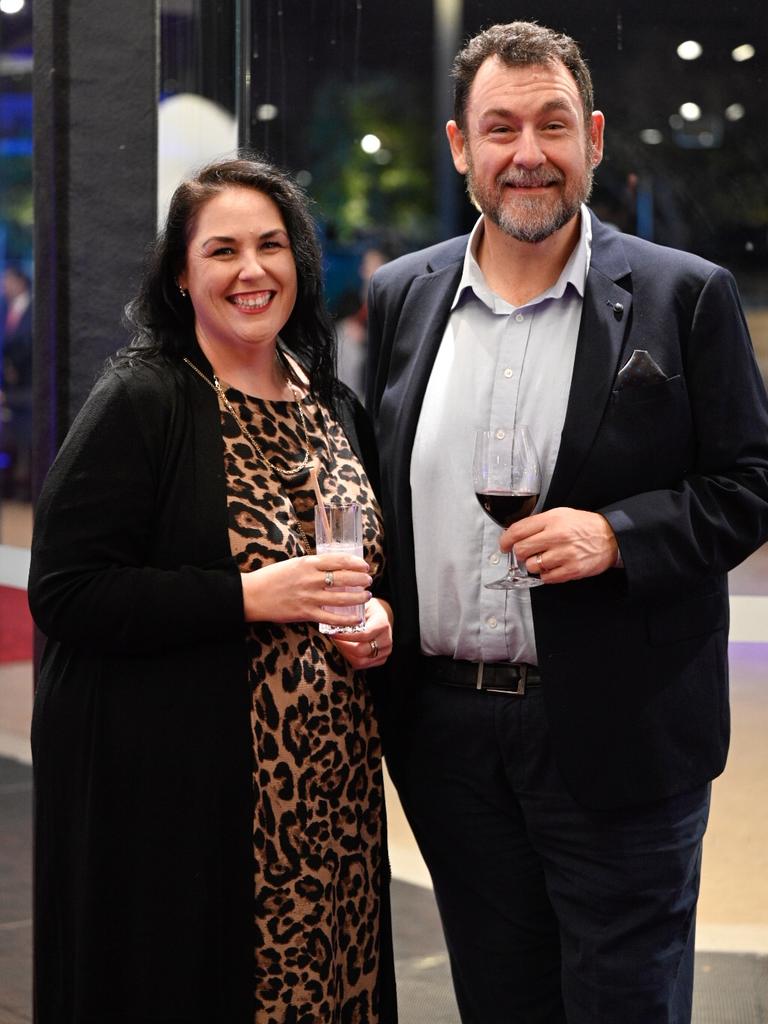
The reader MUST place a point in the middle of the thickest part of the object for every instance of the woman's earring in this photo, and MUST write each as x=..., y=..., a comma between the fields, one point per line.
x=183, y=293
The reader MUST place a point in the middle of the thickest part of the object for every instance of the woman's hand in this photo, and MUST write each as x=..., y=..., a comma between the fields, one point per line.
x=372, y=646
x=296, y=590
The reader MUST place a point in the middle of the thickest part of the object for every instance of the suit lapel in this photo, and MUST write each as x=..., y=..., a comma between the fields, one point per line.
x=601, y=338
x=420, y=331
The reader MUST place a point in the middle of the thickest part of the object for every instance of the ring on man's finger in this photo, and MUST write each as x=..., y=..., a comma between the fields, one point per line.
x=329, y=578
x=374, y=648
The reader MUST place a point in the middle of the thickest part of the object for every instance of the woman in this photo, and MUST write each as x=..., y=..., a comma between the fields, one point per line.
x=209, y=812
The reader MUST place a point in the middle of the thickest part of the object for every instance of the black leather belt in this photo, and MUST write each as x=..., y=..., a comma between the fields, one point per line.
x=489, y=676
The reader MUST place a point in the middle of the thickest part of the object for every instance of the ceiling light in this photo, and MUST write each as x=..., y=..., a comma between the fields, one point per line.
x=735, y=112
x=11, y=6
x=744, y=52
x=690, y=111
x=266, y=112
x=370, y=143
x=689, y=50
x=651, y=136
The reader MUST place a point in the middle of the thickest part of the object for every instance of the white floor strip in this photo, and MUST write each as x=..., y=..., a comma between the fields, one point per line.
x=15, y=747
x=408, y=866
x=749, y=619
x=14, y=566
x=11, y=926
x=732, y=938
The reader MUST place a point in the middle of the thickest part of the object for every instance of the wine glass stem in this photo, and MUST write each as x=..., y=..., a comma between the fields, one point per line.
x=514, y=569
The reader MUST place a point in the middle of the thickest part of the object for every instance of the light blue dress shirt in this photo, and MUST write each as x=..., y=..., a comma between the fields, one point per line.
x=497, y=365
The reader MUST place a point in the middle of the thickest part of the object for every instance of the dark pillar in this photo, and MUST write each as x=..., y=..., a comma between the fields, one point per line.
x=448, y=16
x=96, y=93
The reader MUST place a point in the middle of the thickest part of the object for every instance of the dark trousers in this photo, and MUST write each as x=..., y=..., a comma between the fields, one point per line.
x=552, y=913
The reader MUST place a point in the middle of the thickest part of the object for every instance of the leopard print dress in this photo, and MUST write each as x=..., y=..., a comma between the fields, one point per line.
x=317, y=780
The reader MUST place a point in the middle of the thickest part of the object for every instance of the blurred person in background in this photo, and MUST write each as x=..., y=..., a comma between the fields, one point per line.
x=352, y=324
x=16, y=383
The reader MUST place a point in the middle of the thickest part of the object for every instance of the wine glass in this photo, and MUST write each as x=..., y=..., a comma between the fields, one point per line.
x=507, y=481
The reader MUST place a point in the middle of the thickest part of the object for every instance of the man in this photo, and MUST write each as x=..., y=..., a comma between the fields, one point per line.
x=554, y=748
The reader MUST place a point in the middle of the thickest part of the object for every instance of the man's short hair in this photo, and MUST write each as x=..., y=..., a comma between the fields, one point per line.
x=516, y=44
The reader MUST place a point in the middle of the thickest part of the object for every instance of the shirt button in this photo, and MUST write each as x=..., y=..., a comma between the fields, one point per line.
x=508, y=372
x=493, y=623
x=494, y=559
x=519, y=317
x=500, y=435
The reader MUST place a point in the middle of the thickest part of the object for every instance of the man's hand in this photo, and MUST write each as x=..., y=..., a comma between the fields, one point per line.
x=569, y=542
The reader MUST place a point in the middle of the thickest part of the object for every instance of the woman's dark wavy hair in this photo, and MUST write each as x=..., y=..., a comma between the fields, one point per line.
x=163, y=320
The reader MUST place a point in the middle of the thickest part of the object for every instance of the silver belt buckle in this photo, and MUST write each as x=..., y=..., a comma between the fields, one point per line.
x=521, y=681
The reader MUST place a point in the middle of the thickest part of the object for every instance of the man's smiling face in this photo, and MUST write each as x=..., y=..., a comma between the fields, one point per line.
x=525, y=149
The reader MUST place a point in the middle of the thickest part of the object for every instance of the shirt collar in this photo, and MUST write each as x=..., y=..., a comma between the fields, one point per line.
x=574, y=272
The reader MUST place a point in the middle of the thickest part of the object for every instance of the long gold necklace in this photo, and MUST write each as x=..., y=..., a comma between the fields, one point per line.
x=246, y=431
x=251, y=440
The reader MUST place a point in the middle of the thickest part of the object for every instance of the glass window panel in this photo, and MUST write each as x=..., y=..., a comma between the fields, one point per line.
x=196, y=117
x=352, y=96
x=16, y=267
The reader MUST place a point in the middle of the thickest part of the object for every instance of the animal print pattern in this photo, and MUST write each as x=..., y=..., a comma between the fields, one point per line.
x=318, y=791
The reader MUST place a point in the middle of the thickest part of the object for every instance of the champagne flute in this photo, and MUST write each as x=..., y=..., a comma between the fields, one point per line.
x=507, y=481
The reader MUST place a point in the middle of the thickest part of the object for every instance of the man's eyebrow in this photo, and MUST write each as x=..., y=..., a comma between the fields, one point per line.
x=551, y=106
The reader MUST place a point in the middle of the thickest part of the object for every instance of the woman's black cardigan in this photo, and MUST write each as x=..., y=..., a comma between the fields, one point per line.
x=141, y=732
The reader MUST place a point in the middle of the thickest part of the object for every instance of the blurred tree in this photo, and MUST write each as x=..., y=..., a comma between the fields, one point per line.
x=389, y=189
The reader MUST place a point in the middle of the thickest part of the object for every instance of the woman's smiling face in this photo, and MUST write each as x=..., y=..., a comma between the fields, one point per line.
x=240, y=272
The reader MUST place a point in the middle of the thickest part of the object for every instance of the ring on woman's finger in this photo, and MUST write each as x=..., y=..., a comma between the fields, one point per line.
x=329, y=578
x=374, y=648
x=539, y=563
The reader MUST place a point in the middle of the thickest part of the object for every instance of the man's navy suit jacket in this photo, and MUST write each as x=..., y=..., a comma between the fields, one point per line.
x=633, y=661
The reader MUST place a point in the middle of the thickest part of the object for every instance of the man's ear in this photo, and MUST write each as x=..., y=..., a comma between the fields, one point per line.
x=596, y=130
x=456, y=142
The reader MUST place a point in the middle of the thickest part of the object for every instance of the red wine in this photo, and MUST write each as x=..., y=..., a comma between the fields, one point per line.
x=506, y=508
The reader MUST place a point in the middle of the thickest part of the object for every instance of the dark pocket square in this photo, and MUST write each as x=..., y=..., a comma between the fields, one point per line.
x=641, y=368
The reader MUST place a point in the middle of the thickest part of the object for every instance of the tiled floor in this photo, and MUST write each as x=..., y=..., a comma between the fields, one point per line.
x=729, y=988
x=15, y=892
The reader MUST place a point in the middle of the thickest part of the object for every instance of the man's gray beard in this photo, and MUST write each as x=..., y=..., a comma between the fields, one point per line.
x=530, y=218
